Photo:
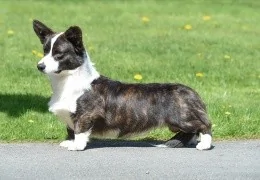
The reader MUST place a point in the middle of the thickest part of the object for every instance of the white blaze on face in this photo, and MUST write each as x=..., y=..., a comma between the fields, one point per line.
x=48, y=60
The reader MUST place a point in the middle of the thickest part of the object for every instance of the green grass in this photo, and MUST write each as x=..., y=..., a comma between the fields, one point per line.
x=121, y=45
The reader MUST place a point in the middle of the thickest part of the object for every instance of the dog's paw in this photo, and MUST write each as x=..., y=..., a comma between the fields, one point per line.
x=203, y=146
x=77, y=146
x=66, y=143
x=205, y=142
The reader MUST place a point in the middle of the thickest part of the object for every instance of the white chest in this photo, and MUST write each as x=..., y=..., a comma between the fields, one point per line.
x=66, y=91
x=67, y=87
x=64, y=106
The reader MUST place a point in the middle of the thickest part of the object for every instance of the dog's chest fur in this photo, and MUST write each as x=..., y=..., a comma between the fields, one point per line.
x=67, y=89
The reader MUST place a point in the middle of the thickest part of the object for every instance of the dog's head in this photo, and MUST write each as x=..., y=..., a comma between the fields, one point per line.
x=62, y=51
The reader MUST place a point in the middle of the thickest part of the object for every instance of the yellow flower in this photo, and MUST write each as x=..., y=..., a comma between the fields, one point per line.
x=39, y=54
x=200, y=56
x=138, y=77
x=199, y=74
x=10, y=32
x=188, y=27
x=34, y=52
x=145, y=19
x=227, y=57
x=206, y=18
x=227, y=113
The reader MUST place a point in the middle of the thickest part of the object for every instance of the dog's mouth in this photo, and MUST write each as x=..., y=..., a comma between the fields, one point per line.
x=58, y=72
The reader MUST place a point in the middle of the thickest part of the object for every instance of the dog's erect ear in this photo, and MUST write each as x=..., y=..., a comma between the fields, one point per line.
x=41, y=30
x=74, y=35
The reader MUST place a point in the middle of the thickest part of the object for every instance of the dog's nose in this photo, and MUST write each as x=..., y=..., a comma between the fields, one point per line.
x=41, y=66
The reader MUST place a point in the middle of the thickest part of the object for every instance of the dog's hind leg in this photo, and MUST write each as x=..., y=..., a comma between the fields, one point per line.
x=188, y=129
x=182, y=139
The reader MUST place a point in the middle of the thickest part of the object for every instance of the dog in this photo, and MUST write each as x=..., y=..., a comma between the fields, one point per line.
x=92, y=104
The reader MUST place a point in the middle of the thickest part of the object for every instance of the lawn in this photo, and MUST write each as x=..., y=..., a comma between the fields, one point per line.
x=211, y=46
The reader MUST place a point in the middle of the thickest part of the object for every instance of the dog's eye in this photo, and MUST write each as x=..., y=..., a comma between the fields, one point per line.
x=59, y=56
x=45, y=51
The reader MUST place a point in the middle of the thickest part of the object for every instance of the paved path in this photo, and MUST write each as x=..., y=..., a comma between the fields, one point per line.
x=130, y=160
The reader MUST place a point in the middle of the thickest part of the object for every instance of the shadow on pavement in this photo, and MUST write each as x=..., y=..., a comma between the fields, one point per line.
x=103, y=143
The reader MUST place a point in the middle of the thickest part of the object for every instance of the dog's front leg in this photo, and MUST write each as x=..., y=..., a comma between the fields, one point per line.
x=70, y=138
x=81, y=137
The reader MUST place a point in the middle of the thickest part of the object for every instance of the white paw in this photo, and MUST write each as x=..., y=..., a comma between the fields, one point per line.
x=205, y=142
x=77, y=146
x=203, y=146
x=161, y=146
x=66, y=143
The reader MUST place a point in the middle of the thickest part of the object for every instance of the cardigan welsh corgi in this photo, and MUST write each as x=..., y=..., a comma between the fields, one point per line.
x=92, y=104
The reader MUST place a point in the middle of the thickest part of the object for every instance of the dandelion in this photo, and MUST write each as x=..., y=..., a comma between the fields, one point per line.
x=30, y=121
x=206, y=18
x=200, y=56
x=10, y=32
x=227, y=57
x=199, y=74
x=187, y=27
x=145, y=19
x=227, y=113
x=34, y=52
x=39, y=54
x=138, y=77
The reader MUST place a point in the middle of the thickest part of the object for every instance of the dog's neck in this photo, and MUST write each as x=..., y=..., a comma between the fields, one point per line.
x=69, y=85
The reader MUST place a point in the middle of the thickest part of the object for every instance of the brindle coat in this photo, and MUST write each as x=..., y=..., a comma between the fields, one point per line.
x=133, y=108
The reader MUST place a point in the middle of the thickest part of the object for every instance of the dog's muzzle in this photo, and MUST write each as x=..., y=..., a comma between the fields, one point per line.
x=41, y=67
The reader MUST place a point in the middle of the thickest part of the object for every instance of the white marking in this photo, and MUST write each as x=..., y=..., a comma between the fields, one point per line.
x=66, y=143
x=63, y=114
x=67, y=87
x=50, y=63
x=205, y=142
x=80, y=141
x=161, y=146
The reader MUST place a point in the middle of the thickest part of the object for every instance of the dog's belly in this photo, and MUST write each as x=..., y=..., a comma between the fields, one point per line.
x=108, y=134
x=123, y=127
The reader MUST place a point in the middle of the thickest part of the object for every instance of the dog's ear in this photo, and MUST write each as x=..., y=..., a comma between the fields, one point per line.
x=41, y=30
x=74, y=35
